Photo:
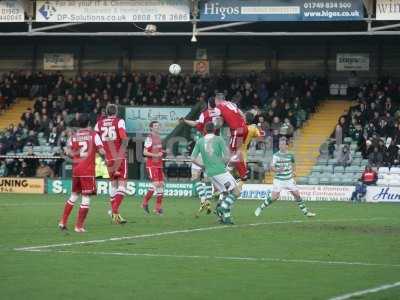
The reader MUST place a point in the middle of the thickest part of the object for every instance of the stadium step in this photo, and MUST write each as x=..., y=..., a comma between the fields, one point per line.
x=315, y=131
x=14, y=113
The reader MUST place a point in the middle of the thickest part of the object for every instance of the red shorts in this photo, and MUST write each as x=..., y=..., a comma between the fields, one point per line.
x=238, y=136
x=117, y=169
x=155, y=174
x=84, y=185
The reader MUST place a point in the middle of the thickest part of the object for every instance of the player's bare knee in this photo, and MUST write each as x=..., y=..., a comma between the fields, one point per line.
x=85, y=200
x=236, y=191
x=72, y=199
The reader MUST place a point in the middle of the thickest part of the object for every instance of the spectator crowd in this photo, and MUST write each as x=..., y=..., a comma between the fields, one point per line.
x=279, y=107
x=374, y=123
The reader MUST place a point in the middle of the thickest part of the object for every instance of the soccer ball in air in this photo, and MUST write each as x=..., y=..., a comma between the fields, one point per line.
x=175, y=69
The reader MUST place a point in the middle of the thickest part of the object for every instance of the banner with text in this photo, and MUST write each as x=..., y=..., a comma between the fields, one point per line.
x=281, y=10
x=388, y=9
x=352, y=62
x=138, y=118
x=113, y=11
x=133, y=188
x=58, y=61
x=307, y=192
x=22, y=185
x=12, y=11
x=383, y=194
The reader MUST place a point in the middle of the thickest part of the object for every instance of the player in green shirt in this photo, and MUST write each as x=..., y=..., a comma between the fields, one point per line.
x=214, y=155
x=283, y=166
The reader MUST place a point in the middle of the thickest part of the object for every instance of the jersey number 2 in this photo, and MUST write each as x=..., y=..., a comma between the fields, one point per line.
x=83, y=149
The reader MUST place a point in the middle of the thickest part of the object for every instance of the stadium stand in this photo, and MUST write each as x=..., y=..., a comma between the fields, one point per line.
x=371, y=132
x=279, y=107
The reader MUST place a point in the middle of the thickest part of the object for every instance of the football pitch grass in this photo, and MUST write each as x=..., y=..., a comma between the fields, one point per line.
x=279, y=255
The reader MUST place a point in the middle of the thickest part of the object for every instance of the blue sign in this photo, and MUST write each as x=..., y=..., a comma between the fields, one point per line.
x=280, y=10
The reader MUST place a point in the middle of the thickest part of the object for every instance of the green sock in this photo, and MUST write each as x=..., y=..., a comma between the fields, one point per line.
x=302, y=206
x=208, y=191
x=266, y=202
x=227, y=204
x=200, y=190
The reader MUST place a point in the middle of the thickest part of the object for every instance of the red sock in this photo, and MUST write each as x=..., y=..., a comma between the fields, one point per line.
x=159, y=201
x=117, y=203
x=242, y=169
x=67, y=211
x=80, y=221
x=148, y=196
x=112, y=199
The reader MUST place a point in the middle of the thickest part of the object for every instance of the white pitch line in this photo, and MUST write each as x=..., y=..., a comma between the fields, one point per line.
x=368, y=291
x=27, y=204
x=233, y=258
x=132, y=237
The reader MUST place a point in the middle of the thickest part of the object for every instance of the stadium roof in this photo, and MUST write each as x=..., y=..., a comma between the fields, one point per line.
x=368, y=26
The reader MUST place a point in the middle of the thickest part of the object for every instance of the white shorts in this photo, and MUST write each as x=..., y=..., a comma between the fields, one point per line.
x=224, y=182
x=196, y=167
x=279, y=185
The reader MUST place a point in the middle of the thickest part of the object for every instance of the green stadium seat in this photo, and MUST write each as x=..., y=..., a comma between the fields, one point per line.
x=322, y=161
x=353, y=147
x=364, y=163
x=332, y=161
x=357, y=154
x=356, y=161
x=317, y=168
x=313, y=180
x=302, y=180
x=336, y=180
x=327, y=169
x=338, y=169
x=325, y=180
x=351, y=169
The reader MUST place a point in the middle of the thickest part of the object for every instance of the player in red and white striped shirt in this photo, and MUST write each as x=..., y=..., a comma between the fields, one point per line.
x=112, y=131
x=82, y=148
x=154, y=165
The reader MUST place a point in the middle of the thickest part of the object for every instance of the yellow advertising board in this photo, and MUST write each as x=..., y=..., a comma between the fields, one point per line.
x=22, y=185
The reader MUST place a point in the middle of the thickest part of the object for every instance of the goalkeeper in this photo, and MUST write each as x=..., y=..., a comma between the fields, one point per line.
x=214, y=154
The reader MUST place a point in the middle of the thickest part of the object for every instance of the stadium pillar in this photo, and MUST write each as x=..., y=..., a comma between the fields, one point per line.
x=326, y=59
x=380, y=59
x=275, y=63
x=225, y=59
x=80, y=57
x=34, y=58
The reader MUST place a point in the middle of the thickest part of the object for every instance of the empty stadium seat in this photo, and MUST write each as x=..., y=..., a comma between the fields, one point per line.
x=332, y=161
x=383, y=182
x=325, y=180
x=352, y=169
x=395, y=170
x=322, y=161
x=317, y=168
x=327, y=169
x=302, y=180
x=338, y=169
x=383, y=170
x=313, y=180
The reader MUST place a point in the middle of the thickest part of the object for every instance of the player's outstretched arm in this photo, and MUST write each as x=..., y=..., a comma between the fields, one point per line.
x=188, y=122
